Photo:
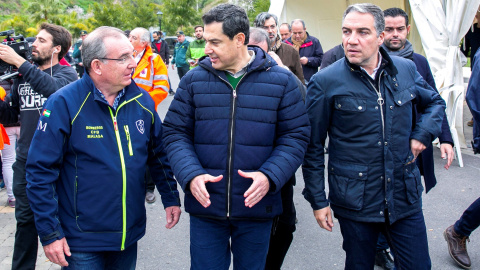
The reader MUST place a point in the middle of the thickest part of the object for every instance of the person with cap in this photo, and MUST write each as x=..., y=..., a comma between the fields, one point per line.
x=179, y=55
x=196, y=49
x=77, y=53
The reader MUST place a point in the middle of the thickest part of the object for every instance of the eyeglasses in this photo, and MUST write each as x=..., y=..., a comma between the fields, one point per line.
x=121, y=61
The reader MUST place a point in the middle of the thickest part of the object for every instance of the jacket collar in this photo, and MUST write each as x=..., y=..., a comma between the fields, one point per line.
x=262, y=61
x=131, y=90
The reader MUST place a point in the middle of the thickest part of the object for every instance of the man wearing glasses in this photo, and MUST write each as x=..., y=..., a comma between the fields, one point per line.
x=86, y=166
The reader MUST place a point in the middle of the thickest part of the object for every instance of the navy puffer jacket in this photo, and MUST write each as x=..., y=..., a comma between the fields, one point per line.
x=210, y=130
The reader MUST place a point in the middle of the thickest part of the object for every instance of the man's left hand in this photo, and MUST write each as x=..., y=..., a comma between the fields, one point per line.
x=8, y=55
x=417, y=147
x=173, y=215
x=257, y=190
x=447, y=153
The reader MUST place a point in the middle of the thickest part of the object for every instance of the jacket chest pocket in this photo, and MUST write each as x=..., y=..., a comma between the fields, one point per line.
x=403, y=99
x=350, y=104
x=351, y=113
x=347, y=184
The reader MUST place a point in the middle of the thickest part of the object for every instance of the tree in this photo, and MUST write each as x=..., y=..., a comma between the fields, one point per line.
x=178, y=15
x=143, y=13
x=109, y=14
x=45, y=10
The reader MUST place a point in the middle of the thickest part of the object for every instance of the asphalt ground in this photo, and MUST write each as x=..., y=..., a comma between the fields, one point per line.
x=312, y=247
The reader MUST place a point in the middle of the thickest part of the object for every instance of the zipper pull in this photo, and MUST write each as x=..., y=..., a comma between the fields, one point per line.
x=234, y=93
x=380, y=101
x=115, y=123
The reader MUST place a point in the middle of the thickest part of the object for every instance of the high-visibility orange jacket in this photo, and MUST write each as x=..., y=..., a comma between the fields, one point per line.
x=3, y=133
x=151, y=74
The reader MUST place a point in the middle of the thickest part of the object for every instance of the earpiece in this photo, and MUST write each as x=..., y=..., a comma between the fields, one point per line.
x=54, y=50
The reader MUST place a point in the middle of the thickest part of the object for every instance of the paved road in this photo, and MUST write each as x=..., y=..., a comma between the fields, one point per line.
x=312, y=247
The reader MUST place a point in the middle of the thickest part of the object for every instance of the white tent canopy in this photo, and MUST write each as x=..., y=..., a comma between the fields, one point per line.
x=442, y=24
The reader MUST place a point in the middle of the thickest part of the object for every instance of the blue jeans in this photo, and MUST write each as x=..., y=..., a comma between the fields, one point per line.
x=212, y=241
x=112, y=260
x=470, y=219
x=407, y=239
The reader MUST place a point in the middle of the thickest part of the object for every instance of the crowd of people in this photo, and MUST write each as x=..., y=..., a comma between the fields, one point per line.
x=252, y=106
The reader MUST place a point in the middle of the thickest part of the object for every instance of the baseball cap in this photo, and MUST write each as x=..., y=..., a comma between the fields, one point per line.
x=180, y=33
x=83, y=33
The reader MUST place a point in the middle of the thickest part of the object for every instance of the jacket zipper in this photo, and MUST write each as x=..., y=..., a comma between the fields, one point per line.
x=232, y=126
x=124, y=170
x=380, y=102
x=130, y=150
x=230, y=150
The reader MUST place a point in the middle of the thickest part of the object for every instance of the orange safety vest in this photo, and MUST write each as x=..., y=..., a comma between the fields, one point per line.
x=3, y=133
x=151, y=74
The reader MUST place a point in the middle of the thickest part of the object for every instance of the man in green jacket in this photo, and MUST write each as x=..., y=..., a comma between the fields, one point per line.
x=179, y=57
x=197, y=48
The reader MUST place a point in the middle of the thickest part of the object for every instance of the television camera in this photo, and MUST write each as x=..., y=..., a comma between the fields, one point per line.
x=21, y=46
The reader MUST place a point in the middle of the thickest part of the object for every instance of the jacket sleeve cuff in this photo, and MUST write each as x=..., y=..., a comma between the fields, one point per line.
x=48, y=238
x=316, y=202
x=422, y=136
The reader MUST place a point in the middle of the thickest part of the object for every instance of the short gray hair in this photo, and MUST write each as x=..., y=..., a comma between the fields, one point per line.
x=144, y=34
x=297, y=20
x=258, y=35
x=375, y=11
x=262, y=17
x=93, y=47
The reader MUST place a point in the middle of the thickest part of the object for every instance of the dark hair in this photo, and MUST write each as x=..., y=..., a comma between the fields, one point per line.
x=367, y=8
x=196, y=26
x=262, y=17
x=234, y=20
x=288, y=25
x=60, y=36
x=395, y=12
x=158, y=33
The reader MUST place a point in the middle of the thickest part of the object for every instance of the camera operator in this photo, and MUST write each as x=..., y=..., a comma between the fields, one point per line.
x=29, y=92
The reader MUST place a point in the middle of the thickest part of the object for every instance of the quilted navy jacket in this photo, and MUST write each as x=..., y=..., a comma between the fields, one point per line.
x=369, y=166
x=262, y=126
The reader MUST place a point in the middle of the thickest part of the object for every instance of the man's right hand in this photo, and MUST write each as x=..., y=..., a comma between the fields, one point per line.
x=198, y=189
x=173, y=66
x=56, y=252
x=324, y=218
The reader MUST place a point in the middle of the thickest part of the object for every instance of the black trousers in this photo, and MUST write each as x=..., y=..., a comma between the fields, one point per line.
x=282, y=229
x=182, y=71
x=26, y=237
x=149, y=179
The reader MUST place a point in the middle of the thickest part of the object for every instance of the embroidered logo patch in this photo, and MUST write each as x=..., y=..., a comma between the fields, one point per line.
x=140, y=126
x=46, y=113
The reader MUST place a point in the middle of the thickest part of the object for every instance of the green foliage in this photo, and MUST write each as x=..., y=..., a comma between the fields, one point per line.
x=24, y=16
x=258, y=6
x=45, y=10
x=179, y=15
x=126, y=15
